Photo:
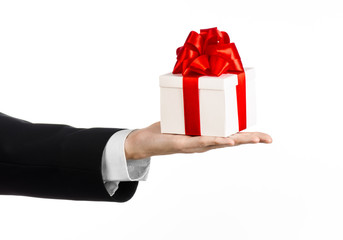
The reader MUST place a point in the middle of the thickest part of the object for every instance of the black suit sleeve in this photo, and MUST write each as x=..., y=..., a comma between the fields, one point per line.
x=55, y=161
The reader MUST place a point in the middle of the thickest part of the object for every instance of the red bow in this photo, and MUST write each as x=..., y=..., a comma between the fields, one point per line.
x=208, y=53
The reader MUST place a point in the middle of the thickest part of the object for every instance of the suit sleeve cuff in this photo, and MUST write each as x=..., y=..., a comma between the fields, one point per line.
x=115, y=166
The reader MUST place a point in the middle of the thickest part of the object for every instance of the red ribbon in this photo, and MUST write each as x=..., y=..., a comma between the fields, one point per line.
x=209, y=53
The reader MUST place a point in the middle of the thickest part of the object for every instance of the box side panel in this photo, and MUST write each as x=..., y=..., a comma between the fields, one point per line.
x=251, y=101
x=231, y=114
x=212, y=112
x=249, y=73
x=172, y=113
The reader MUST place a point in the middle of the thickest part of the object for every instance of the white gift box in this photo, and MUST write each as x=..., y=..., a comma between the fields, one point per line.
x=217, y=100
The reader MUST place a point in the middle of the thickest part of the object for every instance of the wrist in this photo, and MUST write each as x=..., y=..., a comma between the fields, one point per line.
x=133, y=150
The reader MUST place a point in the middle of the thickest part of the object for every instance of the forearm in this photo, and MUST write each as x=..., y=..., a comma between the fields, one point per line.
x=55, y=161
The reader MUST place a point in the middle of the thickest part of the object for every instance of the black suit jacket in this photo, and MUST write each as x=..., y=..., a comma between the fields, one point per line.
x=55, y=161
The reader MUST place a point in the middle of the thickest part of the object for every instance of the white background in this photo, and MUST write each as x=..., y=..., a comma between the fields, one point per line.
x=96, y=64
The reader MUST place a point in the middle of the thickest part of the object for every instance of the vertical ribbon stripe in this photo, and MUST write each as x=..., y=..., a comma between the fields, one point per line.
x=241, y=101
x=191, y=106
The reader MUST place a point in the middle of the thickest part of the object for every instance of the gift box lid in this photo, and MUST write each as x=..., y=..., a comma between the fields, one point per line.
x=170, y=80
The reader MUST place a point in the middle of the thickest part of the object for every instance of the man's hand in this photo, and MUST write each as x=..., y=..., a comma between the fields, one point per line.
x=150, y=141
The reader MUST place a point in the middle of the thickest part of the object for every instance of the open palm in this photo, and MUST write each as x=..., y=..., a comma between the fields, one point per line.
x=150, y=141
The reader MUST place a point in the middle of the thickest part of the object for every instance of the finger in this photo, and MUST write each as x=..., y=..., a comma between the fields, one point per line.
x=237, y=139
x=264, y=137
x=245, y=138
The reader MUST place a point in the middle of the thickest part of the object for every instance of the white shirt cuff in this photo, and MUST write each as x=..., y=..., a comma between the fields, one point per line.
x=115, y=166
